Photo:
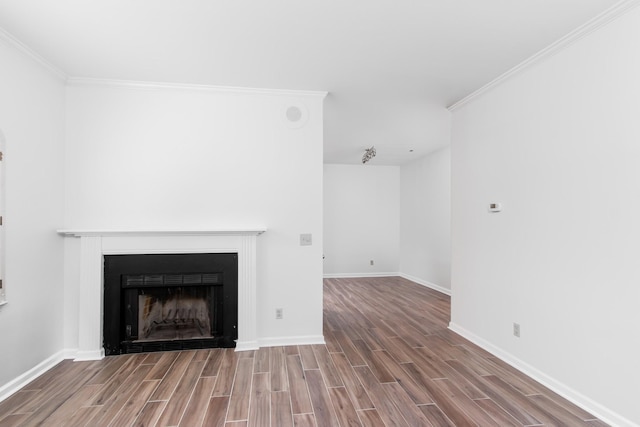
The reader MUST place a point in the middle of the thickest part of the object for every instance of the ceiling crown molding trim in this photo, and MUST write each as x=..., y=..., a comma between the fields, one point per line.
x=30, y=53
x=85, y=81
x=611, y=14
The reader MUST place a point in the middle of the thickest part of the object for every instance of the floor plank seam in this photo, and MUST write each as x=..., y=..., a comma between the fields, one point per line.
x=389, y=358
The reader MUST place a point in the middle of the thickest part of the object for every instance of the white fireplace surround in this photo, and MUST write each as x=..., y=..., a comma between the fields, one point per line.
x=95, y=244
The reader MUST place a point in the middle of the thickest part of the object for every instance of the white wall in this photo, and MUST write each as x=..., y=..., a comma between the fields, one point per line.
x=361, y=220
x=32, y=120
x=558, y=145
x=425, y=220
x=180, y=158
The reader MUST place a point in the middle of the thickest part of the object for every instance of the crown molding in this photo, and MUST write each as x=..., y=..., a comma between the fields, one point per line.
x=609, y=15
x=30, y=53
x=132, y=84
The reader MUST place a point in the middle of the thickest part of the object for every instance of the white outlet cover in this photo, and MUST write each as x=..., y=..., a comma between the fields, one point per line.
x=495, y=207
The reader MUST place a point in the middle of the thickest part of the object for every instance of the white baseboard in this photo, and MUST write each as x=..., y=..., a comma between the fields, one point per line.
x=284, y=341
x=81, y=356
x=69, y=353
x=427, y=284
x=33, y=373
x=589, y=405
x=356, y=275
x=16, y=384
x=279, y=341
x=246, y=345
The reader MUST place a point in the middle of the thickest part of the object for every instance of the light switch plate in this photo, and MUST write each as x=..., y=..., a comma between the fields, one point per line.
x=306, y=239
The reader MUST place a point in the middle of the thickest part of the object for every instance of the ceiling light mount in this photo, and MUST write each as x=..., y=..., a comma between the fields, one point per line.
x=369, y=153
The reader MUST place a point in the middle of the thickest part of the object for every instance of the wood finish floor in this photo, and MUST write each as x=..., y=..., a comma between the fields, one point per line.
x=389, y=361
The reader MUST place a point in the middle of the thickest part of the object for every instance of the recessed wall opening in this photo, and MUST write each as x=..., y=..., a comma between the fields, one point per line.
x=157, y=302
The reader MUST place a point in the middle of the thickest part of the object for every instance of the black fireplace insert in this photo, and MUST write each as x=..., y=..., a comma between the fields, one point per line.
x=158, y=302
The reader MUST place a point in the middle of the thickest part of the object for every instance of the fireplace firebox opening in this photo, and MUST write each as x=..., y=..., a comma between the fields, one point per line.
x=157, y=302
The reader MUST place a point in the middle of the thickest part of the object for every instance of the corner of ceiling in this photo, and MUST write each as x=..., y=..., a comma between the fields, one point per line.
x=33, y=55
x=617, y=10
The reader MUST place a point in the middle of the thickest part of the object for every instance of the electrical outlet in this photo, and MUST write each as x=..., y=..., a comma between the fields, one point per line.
x=516, y=330
x=371, y=262
x=278, y=313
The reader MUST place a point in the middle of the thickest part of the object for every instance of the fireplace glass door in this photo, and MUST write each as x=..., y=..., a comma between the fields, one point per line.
x=173, y=313
x=180, y=301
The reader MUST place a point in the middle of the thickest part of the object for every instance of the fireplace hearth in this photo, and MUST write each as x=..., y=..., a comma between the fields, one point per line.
x=157, y=302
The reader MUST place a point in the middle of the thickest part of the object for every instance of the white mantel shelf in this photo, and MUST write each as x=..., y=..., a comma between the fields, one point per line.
x=253, y=231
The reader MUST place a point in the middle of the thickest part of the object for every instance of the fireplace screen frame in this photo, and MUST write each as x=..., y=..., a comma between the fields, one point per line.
x=219, y=272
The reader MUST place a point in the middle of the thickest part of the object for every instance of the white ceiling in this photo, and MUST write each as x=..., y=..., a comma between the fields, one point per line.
x=391, y=67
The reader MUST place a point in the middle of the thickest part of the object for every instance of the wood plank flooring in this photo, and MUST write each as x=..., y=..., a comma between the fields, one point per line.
x=389, y=360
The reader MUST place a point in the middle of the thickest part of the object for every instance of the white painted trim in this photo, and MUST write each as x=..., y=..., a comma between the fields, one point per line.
x=427, y=284
x=285, y=341
x=83, y=356
x=17, y=383
x=563, y=390
x=94, y=246
x=240, y=231
x=247, y=345
x=247, y=291
x=82, y=81
x=69, y=353
x=31, y=54
x=356, y=275
x=90, y=305
x=609, y=15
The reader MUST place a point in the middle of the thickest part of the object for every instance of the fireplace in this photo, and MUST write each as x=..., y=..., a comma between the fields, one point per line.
x=84, y=322
x=157, y=302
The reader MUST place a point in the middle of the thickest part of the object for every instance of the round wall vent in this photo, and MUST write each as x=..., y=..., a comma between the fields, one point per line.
x=296, y=115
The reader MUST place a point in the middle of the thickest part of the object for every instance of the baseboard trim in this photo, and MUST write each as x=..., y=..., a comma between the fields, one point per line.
x=69, y=353
x=427, y=284
x=563, y=390
x=356, y=275
x=246, y=345
x=82, y=356
x=284, y=341
x=17, y=383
